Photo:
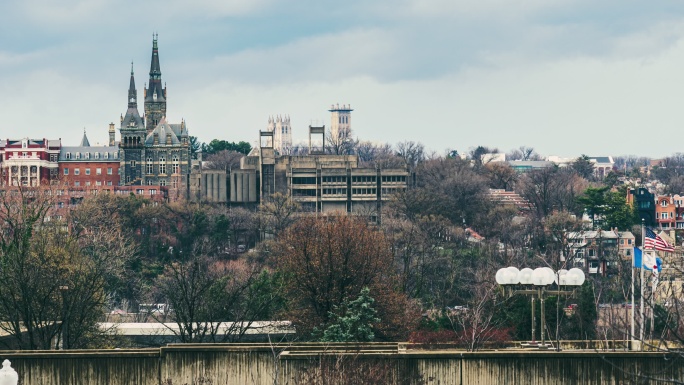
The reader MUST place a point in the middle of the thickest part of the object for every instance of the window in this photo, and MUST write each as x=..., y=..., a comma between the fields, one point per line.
x=162, y=165
x=87, y=183
x=132, y=163
x=105, y=155
x=109, y=171
x=53, y=157
x=663, y=203
x=153, y=192
x=78, y=155
x=77, y=183
x=140, y=191
x=66, y=171
x=304, y=180
x=98, y=183
x=68, y=155
x=176, y=165
x=97, y=155
x=109, y=183
x=87, y=171
x=162, y=182
x=150, y=166
x=77, y=171
x=98, y=171
x=87, y=155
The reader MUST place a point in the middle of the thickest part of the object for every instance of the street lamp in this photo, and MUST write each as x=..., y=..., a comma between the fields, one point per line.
x=535, y=283
x=8, y=376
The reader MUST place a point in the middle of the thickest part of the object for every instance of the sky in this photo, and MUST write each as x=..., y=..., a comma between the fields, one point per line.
x=565, y=77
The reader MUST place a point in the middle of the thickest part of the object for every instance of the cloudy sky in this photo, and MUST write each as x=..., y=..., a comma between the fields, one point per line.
x=565, y=77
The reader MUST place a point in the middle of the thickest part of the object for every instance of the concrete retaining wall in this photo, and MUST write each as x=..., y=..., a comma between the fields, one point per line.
x=218, y=364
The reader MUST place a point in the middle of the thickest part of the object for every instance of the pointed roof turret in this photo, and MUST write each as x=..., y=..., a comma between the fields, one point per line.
x=84, y=141
x=132, y=118
x=132, y=92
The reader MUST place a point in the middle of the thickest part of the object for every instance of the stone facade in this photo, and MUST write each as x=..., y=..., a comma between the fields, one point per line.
x=282, y=133
x=153, y=151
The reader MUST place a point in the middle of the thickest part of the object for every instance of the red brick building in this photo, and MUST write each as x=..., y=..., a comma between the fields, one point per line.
x=89, y=166
x=29, y=162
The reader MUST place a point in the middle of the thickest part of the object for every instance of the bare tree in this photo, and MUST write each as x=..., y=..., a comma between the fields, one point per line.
x=474, y=322
x=224, y=160
x=340, y=143
x=55, y=274
x=215, y=301
x=413, y=153
x=278, y=212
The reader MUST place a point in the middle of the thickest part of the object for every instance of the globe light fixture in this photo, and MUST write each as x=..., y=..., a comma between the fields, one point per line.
x=537, y=283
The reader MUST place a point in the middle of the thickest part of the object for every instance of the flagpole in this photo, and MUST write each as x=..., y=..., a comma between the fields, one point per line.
x=641, y=288
x=631, y=335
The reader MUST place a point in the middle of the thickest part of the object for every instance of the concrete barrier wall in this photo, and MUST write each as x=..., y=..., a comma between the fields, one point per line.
x=263, y=365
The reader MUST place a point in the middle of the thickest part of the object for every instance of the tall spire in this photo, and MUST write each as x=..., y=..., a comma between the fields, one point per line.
x=155, y=94
x=155, y=70
x=132, y=92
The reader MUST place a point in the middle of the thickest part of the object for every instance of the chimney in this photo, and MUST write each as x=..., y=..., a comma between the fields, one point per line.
x=112, y=134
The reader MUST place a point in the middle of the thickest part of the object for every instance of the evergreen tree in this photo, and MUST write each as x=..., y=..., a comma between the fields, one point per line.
x=355, y=323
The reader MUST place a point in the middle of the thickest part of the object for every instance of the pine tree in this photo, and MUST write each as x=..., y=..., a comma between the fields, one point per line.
x=355, y=323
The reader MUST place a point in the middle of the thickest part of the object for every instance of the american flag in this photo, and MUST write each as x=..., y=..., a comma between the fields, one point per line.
x=653, y=241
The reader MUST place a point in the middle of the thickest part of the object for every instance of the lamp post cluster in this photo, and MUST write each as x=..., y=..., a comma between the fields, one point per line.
x=537, y=283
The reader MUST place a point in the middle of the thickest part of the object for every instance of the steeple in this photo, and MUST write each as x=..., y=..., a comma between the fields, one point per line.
x=155, y=70
x=132, y=92
x=132, y=120
x=155, y=94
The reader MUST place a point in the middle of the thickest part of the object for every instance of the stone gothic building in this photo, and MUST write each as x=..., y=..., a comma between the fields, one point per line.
x=282, y=133
x=153, y=151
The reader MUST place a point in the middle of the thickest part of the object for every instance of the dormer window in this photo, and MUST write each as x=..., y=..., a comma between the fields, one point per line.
x=24, y=143
x=97, y=155
x=154, y=96
x=78, y=155
x=106, y=155
x=68, y=155
x=87, y=155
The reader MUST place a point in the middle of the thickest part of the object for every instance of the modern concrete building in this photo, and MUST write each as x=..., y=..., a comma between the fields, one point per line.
x=320, y=182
